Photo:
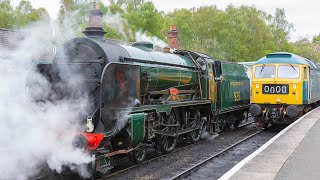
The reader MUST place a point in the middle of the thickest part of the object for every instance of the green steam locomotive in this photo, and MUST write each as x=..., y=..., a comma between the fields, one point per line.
x=141, y=98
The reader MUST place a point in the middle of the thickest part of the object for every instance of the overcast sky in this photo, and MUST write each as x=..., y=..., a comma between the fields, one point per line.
x=304, y=14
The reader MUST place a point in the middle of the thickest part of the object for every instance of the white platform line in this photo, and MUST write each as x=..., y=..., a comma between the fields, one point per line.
x=237, y=167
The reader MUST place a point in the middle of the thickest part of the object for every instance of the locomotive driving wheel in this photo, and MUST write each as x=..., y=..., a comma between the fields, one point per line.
x=168, y=143
x=139, y=154
x=102, y=173
x=194, y=121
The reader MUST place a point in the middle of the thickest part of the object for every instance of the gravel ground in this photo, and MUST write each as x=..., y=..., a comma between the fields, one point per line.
x=167, y=166
x=220, y=165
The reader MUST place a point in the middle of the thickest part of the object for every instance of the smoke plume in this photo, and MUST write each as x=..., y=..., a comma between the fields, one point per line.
x=119, y=23
x=36, y=134
x=142, y=36
x=116, y=21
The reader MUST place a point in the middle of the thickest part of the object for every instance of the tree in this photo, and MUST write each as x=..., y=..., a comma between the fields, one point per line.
x=6, y=14
x=20, y=16
x=143, y=16
x=74, y=14
x=281, y=29
x=183, y=19
x=305, y=48
x=316, y=39
x=25, y=13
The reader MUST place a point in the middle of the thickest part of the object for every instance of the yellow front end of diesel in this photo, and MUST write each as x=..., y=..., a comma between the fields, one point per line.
x=276, y=88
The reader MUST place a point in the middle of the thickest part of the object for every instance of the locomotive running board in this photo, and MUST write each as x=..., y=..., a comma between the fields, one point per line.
x=167, y=91
x=118, y=152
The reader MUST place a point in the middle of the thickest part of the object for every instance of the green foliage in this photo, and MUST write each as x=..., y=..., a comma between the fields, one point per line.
x=25, y=13
x=308, y=49
x=237, y=34
x=20, y=16
x=234, y=34
x=316, y=39
x=245, y=35
x=183, y=19
x=6, y=14
x=143, y=16
x=74, y=14
x=281, y=29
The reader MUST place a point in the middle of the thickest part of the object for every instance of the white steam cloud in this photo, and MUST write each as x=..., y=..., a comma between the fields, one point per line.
x=142, y=36
x=117, y=22
x=35, y=134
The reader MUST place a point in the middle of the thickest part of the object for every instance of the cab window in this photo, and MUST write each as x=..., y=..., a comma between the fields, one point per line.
x=305, y=73
x=290, y=72
x=202, y=63
x=265, y=71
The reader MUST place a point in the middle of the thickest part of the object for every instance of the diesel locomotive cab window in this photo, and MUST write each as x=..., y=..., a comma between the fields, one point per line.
x=265, y=72
x=290, y=72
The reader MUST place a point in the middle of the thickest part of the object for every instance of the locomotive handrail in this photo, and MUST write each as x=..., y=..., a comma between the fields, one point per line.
x=126, y=59
x=82, y=62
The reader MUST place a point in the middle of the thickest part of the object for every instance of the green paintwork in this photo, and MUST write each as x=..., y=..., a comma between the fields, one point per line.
x=163, y=108
x=163, y=77
x=137, y=53
x=234, y=88
x=137, y=122
x=204, y=86
x=283, y=57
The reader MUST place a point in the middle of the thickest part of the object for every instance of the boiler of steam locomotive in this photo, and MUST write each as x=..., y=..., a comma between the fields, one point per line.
x=117, y=76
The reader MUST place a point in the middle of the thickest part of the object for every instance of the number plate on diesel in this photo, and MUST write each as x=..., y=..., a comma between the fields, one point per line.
x=275, y=89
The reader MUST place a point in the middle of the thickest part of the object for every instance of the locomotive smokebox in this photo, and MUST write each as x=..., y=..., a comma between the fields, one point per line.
x=292, y=111
x=255, y=110
x=80, y=142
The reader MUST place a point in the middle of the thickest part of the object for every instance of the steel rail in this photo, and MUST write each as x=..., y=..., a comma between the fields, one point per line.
x=194, y=168
x=162, y=155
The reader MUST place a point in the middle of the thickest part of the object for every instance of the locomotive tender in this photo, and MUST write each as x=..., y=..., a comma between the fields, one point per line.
x=142, y=98
x=284, y=86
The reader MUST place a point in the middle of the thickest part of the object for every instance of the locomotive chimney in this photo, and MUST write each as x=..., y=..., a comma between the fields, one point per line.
x=173, y=37
x=95, y=22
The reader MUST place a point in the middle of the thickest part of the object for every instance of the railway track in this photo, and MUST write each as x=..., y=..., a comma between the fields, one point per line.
x=161, y=156
x=195, y=167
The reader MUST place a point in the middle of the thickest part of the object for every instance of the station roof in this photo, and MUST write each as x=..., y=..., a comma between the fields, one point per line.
x=10, y=39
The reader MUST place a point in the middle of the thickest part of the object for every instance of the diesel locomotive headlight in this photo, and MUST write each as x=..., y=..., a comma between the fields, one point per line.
x=294, y=86
x=257, y=85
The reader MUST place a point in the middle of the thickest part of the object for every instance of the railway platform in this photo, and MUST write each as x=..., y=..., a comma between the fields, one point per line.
x=292, y=154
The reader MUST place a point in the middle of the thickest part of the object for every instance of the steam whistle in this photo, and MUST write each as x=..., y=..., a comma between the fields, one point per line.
x=90, y=126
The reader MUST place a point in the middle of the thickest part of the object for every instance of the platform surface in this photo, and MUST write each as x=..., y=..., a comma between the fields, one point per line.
x=292, y=154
